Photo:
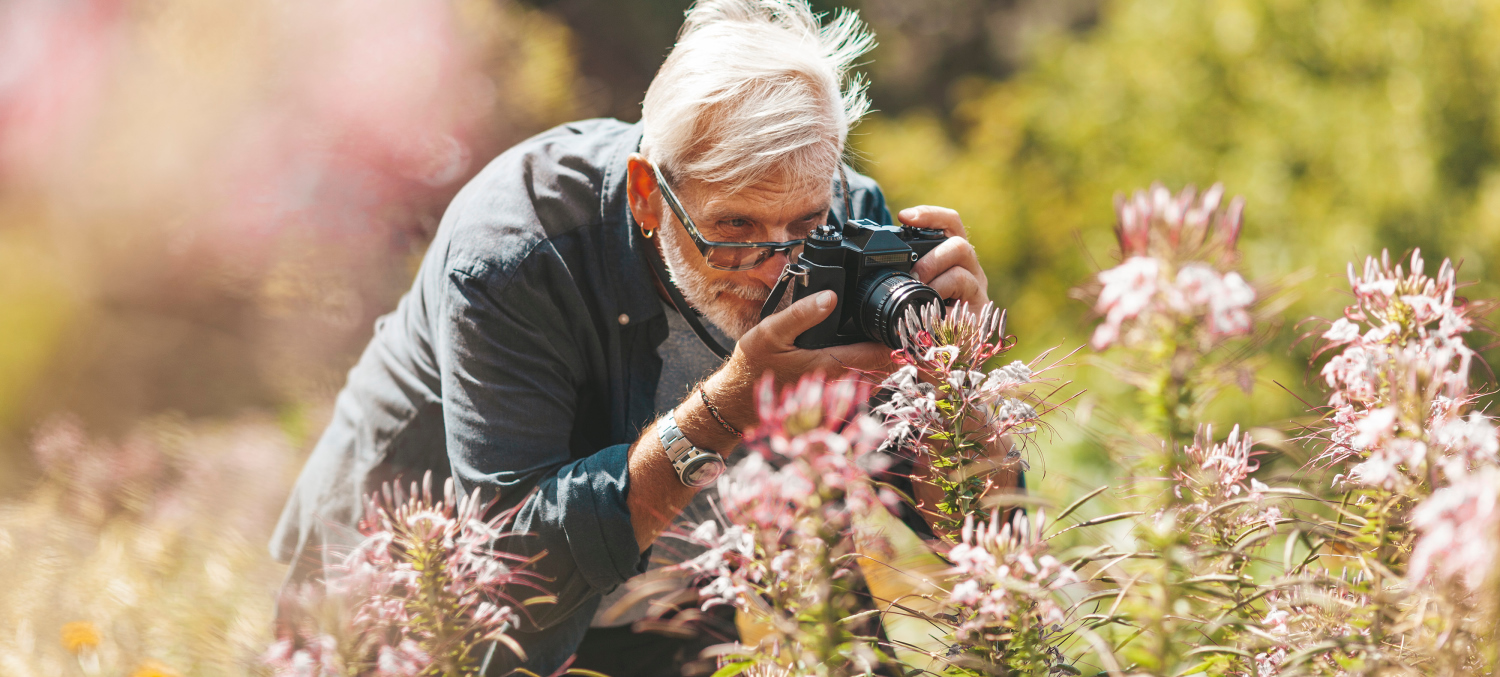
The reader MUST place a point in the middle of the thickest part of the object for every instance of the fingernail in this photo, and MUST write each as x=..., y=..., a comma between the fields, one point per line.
x=908, y=213
x=826, y=299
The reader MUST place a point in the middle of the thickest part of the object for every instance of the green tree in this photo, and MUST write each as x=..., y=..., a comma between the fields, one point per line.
x=1348, y=125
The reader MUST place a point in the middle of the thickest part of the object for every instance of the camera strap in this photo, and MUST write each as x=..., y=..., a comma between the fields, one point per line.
x=659, y=269
x=791, y=271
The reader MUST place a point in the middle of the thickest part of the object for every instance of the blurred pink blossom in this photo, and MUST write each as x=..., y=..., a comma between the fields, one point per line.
x=1176, y=254
x=55, y=62
x=1459, y=530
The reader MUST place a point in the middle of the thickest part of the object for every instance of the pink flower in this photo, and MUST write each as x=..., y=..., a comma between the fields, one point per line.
x=793, y=492
x=404, y=660
x=316, y=657
x=1005, y=572
x=1342, y=331
x=1412, y=352
x=1268, y=664
x=1376, y=427
x=1128, y=291
x=1459, y=529
x=1175, y=251
x=442, y=545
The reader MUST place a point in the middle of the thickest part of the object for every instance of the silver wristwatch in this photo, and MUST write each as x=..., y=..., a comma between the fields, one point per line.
x=696, y=467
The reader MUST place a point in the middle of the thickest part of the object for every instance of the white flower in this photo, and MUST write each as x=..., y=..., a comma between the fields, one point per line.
x=965, y=592
x=1375, y=428
x=1128, y=290
x=1342, y=331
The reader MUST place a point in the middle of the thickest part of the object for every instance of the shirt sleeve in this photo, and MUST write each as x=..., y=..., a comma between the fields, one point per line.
x=511, y=357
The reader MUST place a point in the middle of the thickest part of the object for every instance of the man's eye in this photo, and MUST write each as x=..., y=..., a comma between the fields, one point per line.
x=800, y=229
x=739, y=224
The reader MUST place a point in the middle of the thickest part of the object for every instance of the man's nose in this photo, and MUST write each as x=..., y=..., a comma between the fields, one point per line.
x=770, y=269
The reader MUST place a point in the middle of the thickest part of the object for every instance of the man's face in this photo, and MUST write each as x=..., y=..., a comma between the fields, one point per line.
x=778, y=208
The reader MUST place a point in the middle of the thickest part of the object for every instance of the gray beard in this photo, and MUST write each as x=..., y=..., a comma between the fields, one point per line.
x=704, y=294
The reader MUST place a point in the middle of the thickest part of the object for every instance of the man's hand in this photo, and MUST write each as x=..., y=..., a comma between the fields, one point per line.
x=656, y=494
x=766, y=348
x=953, y=268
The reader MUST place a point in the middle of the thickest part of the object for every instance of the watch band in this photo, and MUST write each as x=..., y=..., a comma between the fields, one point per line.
x=696, y=467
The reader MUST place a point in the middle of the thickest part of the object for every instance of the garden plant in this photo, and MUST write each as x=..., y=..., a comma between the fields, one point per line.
x=1374, y=555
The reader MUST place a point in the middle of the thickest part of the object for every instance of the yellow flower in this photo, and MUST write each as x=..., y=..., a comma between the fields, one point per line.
x=153, y=669
x=79, y=636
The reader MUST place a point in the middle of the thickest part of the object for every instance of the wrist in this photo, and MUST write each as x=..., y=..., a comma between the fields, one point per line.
x=712, y=431
x=695, y=421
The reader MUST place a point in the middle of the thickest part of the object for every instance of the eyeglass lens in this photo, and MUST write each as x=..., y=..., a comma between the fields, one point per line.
x=742, y=258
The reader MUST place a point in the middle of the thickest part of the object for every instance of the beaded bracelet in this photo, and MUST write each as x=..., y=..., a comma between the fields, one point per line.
x=714, y=411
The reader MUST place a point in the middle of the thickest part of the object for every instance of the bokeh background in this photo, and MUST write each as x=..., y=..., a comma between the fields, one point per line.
x=205, y=205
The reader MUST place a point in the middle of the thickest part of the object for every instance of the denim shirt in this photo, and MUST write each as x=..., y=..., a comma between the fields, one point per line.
x=522, y=362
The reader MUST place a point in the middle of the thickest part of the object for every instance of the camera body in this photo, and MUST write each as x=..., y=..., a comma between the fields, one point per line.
x=869, y=266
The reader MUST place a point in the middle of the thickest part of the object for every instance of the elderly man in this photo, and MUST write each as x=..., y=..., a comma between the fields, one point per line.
x=539, y=357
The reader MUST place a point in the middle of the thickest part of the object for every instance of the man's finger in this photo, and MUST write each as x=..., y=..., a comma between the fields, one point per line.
x=937, y=218
x=959, y=283
x=953, y=252
x=785, y=326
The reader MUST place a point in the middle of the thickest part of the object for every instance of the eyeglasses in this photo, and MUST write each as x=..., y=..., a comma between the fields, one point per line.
x=729, y=256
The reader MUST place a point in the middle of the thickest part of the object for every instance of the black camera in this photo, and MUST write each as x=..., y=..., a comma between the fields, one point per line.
x=869, y=266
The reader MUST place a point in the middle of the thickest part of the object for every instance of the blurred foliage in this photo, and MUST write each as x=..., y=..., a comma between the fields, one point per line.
x=148, y=553
x=925, y=46
x=204, y=206
x=1348, y=125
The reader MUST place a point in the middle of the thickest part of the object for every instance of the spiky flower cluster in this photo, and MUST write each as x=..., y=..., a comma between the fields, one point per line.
x=1176, y=253
x=1420, y=476
x=947, y=409
x=1400, y=380
x=1320, y=606
x=1005, y=593
x=1219, y=492
x=786, y=558
x=426, y=588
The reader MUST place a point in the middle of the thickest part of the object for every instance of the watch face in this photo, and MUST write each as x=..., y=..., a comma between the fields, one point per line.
x=702, y=471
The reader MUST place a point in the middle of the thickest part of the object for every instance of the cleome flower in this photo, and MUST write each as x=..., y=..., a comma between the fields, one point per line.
x=791, y=501
x=944, y=407
x=1176, y=255
x=1214, y=480
x=1399, y=380
x=943, y=380
x=425, y=589
x=1004, y=579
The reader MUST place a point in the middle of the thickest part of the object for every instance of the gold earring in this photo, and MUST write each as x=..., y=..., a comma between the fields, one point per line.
x=648, y=234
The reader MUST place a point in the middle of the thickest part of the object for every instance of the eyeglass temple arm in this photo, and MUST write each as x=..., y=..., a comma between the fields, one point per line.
x=672, y=203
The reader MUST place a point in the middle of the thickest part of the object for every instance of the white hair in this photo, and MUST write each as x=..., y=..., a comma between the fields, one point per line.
x=756, y=86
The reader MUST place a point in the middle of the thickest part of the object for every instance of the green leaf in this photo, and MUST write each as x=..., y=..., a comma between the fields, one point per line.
x=732, y=669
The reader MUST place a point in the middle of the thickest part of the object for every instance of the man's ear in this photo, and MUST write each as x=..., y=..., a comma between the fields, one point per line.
x=640, y=188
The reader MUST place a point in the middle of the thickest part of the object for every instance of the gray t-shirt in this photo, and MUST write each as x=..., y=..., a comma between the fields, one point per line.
x=685, y=362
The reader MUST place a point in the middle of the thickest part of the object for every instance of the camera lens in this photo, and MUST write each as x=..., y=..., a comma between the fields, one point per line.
x=883, y=299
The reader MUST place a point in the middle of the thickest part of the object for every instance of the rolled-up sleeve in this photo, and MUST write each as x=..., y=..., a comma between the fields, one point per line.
x=512, y=356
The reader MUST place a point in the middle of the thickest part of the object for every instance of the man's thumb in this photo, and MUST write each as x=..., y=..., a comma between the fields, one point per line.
x=801, y=316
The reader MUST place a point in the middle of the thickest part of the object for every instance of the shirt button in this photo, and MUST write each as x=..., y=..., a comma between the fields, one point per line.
x=624, y=319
